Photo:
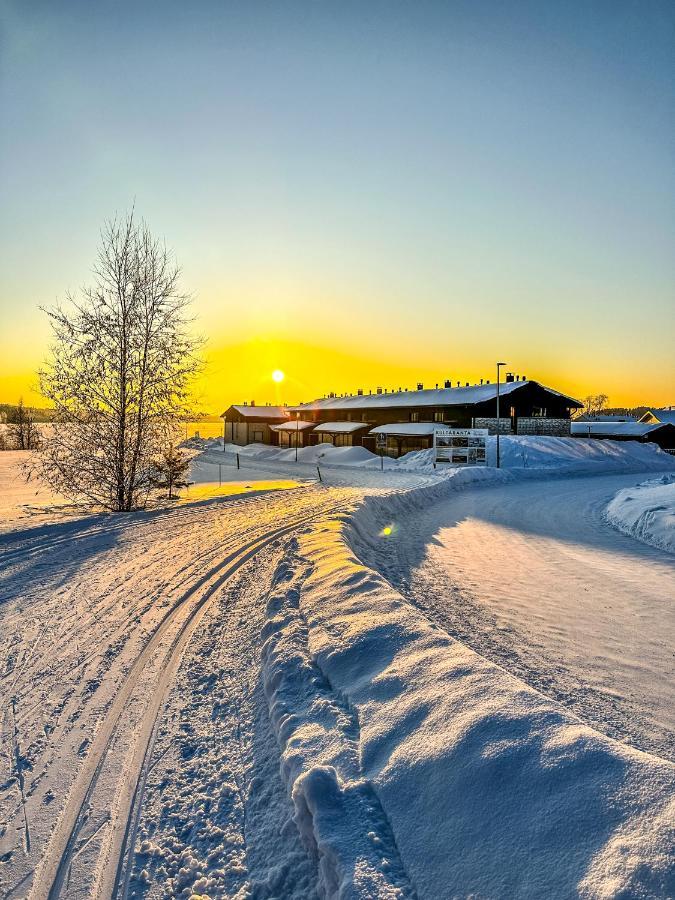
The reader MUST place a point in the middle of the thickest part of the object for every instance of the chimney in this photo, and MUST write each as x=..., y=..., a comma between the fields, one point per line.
x=420, y=386
x=359, y=393
x=487, y=381
x=467, y=384
x=481, y=381
x=245, y=402
x=448, y=383
x=509, y=377
x=436, y=385
x=252, y=402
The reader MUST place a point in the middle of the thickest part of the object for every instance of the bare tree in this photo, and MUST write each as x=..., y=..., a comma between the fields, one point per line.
x=119, y=371
x=21, y=428
x=594, y=404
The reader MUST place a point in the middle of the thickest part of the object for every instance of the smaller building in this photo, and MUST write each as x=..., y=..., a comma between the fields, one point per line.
x=250, y=424
x=661, y=434
x=665, y=416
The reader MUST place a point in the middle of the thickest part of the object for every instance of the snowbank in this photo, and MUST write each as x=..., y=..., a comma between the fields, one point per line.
x=569, y=454
x=647, y=512
x=418, y=767
x=543, y=454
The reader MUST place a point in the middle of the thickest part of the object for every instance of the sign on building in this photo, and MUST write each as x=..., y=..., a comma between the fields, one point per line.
x=461, y=446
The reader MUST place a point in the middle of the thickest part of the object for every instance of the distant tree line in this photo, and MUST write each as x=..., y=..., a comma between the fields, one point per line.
x=597, y=404
x=21, y=431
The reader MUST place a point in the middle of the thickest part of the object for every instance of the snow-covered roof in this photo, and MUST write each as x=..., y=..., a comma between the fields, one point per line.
x=340, y=427
x=292, y=425
x=618, y=429
x=587, y=418
x=407, y=429
x=457, y=396
x=665, y=416
x=259, y=412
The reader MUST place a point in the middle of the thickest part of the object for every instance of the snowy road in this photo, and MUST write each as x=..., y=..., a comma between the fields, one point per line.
x=98, y=615
x=531, y=577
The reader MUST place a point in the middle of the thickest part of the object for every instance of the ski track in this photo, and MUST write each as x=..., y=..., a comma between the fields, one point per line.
x=139, y=728
x=91, y=654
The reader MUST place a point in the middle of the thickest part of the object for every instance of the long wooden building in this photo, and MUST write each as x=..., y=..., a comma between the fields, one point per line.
x=526, y=407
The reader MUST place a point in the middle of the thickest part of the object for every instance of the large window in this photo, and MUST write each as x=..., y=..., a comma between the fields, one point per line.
x=439, y=416
x=539, y=412
x=414, y=417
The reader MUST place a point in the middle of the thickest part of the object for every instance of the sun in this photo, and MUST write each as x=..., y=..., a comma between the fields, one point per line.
x=278, y=376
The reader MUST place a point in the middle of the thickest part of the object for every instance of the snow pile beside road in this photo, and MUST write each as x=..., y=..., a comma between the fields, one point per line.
x=647, y=512
x=564, y=455
x=569, y=454
x=415, y=765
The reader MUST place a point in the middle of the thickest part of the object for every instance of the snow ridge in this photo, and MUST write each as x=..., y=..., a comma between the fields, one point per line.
x=337, y=811
x=646, y=512
x=484, y=786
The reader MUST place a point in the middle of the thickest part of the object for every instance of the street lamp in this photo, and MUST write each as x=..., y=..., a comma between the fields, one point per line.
x=499, y=365
x=297, y=431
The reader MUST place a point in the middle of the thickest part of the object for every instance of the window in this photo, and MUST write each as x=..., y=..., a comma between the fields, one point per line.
x=538, y=412
x=414, y=417
x=439, y=416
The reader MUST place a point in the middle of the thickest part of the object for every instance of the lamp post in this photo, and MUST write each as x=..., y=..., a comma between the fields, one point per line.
x=297, y=432
x=499, y=365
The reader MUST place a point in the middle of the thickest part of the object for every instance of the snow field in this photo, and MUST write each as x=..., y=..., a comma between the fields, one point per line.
x=647, y=512
x=484, y=787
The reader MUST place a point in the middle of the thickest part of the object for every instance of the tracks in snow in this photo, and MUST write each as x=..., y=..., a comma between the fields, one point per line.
x=90, y=829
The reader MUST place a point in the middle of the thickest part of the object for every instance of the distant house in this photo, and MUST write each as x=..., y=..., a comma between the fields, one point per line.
x=665, y=416
x=662, y=434
x=251, y=424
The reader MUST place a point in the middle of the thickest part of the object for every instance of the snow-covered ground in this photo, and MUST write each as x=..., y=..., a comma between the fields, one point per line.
x=224, y=697
x=647, y=511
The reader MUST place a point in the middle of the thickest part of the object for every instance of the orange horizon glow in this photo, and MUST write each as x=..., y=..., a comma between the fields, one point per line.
x=245, y=371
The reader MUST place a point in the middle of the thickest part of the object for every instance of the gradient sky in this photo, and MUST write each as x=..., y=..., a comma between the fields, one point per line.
x=360, y=194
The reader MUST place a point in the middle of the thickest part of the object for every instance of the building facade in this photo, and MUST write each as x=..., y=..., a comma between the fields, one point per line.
x=250, y=424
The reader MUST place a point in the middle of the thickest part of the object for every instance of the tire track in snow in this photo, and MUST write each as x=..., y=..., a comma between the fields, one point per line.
x=53, y=872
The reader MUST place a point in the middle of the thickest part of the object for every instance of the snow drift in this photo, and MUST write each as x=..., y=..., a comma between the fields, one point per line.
x=647, y=512
x=417, y=767
x=526, y=452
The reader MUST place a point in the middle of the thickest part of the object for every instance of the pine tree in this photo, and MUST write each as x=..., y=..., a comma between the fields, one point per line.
x=169, y=470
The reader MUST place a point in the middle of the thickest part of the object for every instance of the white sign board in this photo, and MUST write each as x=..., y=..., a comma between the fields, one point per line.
x=381, y=441
x=461, y=446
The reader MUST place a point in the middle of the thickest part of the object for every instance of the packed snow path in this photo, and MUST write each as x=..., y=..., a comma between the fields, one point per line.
x=532, y=577
x=97, y=617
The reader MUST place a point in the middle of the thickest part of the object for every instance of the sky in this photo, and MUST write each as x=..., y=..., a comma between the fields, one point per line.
x=359, y=194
